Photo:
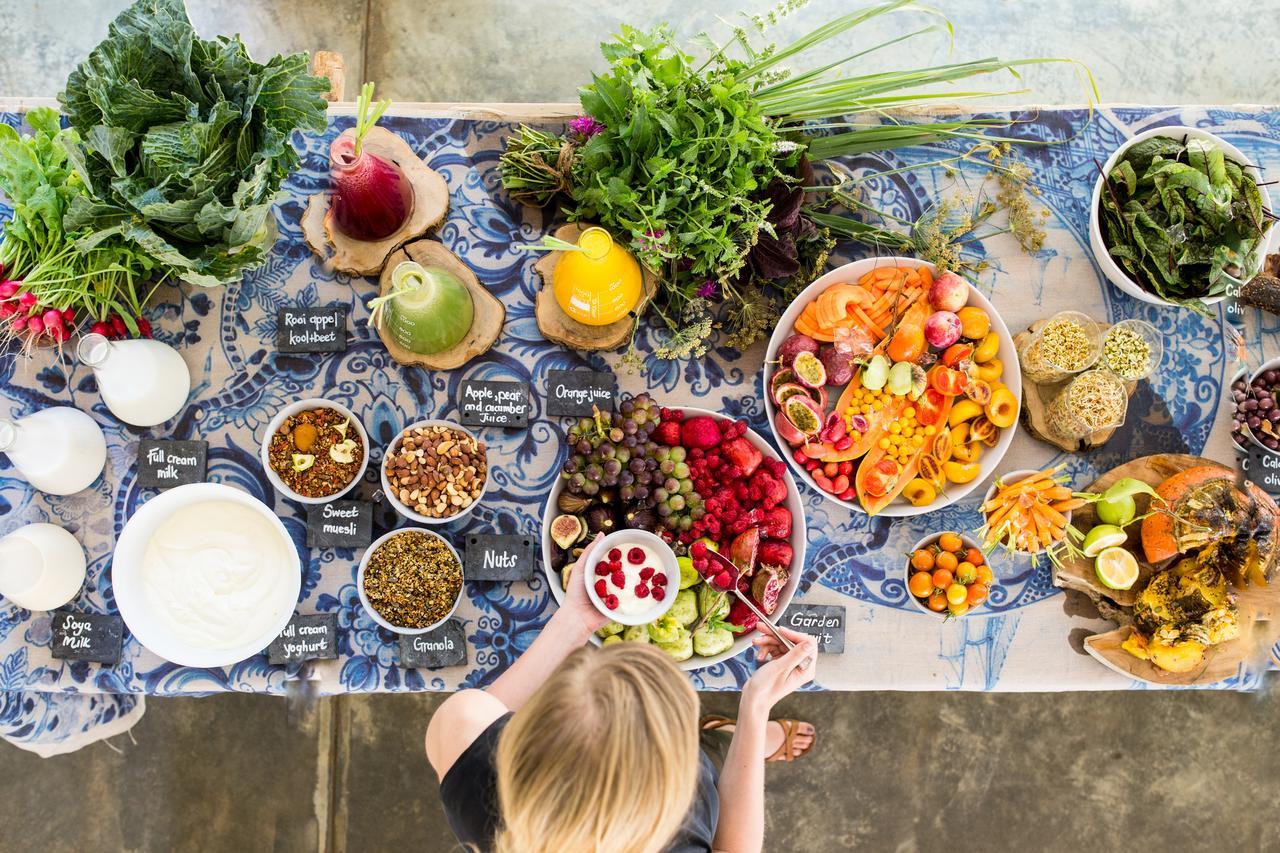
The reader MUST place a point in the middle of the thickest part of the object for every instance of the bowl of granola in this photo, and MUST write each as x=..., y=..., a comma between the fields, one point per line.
x=314, y=450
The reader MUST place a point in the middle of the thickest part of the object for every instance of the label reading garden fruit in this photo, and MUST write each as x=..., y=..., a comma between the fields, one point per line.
x=312, y=329
x=493, y=403
x=494, y=557
x=305, y=638
x=823, y=621
x=165, y=464
x=87, y=636
x=1262, y=467
x=445, y=646
x=573, y=393
x=340, y=524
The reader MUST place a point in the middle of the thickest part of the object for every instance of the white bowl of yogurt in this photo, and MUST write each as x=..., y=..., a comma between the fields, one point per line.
x=633, y=577
x=205, y=575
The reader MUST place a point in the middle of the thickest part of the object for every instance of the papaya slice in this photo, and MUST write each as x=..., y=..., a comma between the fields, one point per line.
x=873, y=504
x=878, y=422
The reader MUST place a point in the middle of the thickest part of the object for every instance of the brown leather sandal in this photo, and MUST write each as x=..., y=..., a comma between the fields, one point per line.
x=790, y=730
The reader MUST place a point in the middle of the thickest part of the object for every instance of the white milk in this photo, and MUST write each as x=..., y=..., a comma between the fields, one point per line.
x=143, y=382
x=42, y=567
x=59, y=450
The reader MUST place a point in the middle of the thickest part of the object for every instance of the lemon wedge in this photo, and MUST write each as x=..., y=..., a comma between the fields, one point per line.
x=1102, y=537
x=1116, y=568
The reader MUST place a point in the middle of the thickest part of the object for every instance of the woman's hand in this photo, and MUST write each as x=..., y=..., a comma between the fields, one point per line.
x=577, y=609
x=785, y=672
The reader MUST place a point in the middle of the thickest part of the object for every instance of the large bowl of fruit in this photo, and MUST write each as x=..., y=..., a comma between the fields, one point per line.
x=687, y=475
x=896, y=389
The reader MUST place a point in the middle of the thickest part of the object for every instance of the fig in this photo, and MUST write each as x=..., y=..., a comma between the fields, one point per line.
x=942, y=329
x=795, y=345
x=948, y=293
x=571, y=503
x=804, y=415
x=809, y=370
x=640, y=518
x=566, y=530
x=559, y=557
x=600, y=520
x=839, y=365
x=767, y=585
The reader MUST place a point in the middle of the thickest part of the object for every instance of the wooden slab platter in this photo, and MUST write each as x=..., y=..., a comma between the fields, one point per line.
x=1037, y=396
x=559, y=327
x=362, y=257
x=1259, y=606
x=486, y=327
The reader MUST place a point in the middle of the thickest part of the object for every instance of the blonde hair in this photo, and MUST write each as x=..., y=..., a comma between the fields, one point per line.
x=603, y=757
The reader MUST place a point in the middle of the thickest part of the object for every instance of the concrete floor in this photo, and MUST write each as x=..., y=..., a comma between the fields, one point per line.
x=901, y=772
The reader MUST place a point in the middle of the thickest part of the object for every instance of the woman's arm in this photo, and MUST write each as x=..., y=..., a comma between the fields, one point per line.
x=463, y=717
x=741, y=788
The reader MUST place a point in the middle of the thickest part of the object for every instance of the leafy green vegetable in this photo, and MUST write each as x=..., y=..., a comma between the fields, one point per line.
x=1183, y=220
x=185, y=142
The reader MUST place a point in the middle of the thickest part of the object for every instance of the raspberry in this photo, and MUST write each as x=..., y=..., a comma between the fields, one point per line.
x=659, y=593
x=697, y=453
x=601, y=589
x=642, y=591
x=660, y=579
x=611, y=602
x=698, y=549
x=614, y=555
x=635, y=556
x=646, y=573
x=619, y=579
x=723, y=580
x=603, y=570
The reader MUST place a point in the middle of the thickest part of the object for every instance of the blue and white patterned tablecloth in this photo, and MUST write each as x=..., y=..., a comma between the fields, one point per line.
x=1025, y=639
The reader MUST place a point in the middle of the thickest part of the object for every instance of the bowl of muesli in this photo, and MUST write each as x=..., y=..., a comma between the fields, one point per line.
x=315, y=450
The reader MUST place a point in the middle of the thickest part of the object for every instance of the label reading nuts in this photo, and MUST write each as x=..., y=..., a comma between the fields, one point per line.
x=436, y=471
x=498, y=557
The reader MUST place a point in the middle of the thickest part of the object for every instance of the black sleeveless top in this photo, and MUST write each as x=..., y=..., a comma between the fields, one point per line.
x=469, y=792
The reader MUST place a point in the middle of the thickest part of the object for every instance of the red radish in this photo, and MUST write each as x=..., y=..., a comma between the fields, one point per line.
x=68, y=315
x=8, y=309
x=52, y=319
x=117, y=324
x=35, y=325
x=8, y=289
x=27, y=299
x=18, y=323
x=144, y=327
x=101, y=328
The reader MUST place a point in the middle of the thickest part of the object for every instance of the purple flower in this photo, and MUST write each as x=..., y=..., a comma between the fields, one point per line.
x=651, y=240
x=586, y=127
x=708, y=289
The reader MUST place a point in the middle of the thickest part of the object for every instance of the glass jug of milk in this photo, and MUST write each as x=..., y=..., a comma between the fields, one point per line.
x=42, y=567
x=143, y=382
x=58, y=450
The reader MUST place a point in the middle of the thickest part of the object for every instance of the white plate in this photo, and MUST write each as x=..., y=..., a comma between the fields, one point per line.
x=1012, y=377
x=798, y=539
x=126, y=577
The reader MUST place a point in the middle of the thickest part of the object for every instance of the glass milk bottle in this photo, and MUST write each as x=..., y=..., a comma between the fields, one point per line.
x=59, y=450
x=143, y=382
x=42, y=567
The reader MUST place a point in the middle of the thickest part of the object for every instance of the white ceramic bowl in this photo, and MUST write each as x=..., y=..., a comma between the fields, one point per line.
x=364, y=600
x=1009, y=478
x=1270, y=364
x=622, y=540
x=799, y=536
x=126, y=577
x=969, y=542
x=391, y=493
x=274, y=426
x=1112, y=270
x=1008, y=355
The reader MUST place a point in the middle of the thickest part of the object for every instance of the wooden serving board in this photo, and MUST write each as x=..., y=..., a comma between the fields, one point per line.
x=489, y=313
x=1037, y=396
x=559, y=327
x=1258, y=606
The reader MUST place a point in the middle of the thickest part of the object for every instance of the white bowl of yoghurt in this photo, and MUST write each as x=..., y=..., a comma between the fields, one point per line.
x=633, y=578
x=205, y=575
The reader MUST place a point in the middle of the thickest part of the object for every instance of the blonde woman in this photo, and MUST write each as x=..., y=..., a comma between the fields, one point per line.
x=581, y=749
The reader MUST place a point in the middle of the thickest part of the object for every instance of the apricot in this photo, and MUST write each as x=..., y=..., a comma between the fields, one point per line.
x=920, y=492
x=987, y=348
x=1003, y=408
x=963, y=410
x=990, y=371
x=974, y=322
x=958, y=472
x=970, y=451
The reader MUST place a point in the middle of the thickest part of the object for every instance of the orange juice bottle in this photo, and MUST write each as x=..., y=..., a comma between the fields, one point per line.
x=599, y=283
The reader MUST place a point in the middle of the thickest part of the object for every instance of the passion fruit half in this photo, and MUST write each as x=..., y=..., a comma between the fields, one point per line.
x=809, y=370
x=804, y=414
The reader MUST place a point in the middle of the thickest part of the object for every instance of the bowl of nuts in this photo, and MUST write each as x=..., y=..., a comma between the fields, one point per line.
x=435, y=472
x=410, y=580
x=314, y=450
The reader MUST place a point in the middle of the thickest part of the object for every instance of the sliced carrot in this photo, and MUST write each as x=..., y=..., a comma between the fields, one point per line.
x=1068, y=505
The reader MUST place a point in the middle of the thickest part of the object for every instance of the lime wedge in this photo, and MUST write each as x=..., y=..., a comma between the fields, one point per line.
x=1116, y=568
x=1101, y=537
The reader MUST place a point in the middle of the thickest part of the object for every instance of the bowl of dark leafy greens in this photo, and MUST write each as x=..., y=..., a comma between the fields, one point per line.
x=1178, y=218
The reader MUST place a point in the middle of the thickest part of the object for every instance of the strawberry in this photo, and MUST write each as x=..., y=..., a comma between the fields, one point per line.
x=777, y=523
x=699, y=431
x=667, y=433
x=776, y=552
x=742, y=454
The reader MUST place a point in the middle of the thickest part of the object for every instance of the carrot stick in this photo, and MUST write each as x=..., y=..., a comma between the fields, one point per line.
x=1051, y=515
x=1057, y=493
x=1068, y=505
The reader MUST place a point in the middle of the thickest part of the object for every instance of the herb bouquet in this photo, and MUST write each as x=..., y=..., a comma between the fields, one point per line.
x=702, y=167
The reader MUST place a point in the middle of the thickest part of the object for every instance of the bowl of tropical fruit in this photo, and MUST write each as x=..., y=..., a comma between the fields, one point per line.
x=697, y=480
x=896, y=389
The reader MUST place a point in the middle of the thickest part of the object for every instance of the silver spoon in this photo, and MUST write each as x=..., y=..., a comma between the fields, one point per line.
x=733, y=569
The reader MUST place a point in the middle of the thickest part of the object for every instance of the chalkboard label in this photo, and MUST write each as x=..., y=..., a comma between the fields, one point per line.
x=1262, y=467
x=824, y=621
x=312, y=329
x=492, y=403
x=494, y=557
x=165, y=464
x=305, y=638
x=340, y=524
x=445, y=646
x=87, y=636
x=573, y=393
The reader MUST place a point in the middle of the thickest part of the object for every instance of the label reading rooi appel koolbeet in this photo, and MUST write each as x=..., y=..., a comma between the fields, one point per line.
x=312, y=329
x=494, y=403
x=823, y=621
x=573, y=393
